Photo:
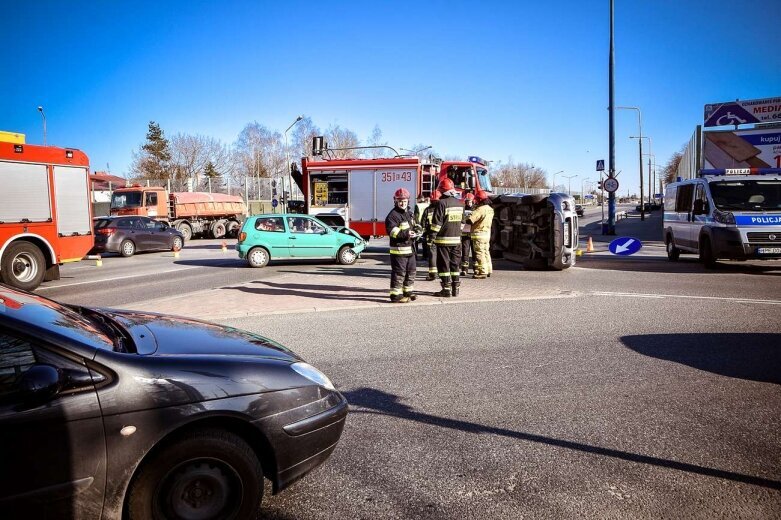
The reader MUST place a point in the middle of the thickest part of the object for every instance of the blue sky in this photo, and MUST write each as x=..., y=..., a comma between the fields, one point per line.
x=526, y=80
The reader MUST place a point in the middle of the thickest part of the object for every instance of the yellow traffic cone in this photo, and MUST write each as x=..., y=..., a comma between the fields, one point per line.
x=176, y=252
x=98, y=262
x=224, y=247
x=590, y=246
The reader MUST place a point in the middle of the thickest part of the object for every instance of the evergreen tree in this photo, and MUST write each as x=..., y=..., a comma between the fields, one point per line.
x=157, y=153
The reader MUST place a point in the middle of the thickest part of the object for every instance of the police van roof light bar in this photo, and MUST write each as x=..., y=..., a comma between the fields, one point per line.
x=741, y=171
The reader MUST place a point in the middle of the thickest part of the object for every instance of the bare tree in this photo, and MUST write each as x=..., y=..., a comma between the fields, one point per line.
x=375, y=139
x=520, y=175
x=671, y=168
x=259, y=152
x=424, y=152
x=338, y=137
x=301, y=139
x=190, y=155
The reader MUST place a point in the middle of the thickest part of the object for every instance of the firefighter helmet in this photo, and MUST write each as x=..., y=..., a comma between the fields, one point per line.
x=446, y=185
x=469, y=196
x=401, y=193
x=435, y=196
x=481, y=195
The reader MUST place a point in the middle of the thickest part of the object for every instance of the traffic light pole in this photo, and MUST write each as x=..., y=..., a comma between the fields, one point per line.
x=611, y=210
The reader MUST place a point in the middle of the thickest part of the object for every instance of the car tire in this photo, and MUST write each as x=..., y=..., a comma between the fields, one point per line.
x=23, y=266
x=258, y=257
x=185, y=229
x=209, y=474
x=706, y=253
x=346, y=256
x=176, y=244
x=673, y=253
x=127, y=248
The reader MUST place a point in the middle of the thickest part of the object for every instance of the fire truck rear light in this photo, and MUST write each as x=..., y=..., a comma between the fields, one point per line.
x=69, y=154
x=18, y=148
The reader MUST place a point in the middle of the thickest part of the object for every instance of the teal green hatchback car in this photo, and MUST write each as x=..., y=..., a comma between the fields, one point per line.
x=291, y=236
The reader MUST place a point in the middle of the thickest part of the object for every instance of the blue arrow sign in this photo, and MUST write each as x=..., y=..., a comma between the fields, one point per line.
x=274, y=203
x=625, y=246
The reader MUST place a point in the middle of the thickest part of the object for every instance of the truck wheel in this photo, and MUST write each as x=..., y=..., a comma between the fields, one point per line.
x=258, y=257
x=219, y=229
x=706, y=253
x=232, y=229
x=185, y=229
x=673, y=253
x=23, y=266
x=127, y=248
x=208, y=474
x=346, y=256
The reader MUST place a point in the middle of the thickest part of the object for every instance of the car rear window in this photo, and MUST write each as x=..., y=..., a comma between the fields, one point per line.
x=123, y=223
x=102, y=223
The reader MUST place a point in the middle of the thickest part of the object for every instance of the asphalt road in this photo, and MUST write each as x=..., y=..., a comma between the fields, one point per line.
x=645, y=389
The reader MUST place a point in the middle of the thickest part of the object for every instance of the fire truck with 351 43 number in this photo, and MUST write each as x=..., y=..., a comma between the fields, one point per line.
x=45, y=212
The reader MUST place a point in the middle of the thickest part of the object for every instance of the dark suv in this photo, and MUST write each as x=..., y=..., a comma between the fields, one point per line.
x=128, y=235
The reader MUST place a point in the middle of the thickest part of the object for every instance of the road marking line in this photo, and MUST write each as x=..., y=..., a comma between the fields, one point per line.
x=687, y=297
x=118, y=278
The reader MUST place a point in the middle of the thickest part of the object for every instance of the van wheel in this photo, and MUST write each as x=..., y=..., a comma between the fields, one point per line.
x=127, y=248
x=346, y=256
x=673, y=253
x=258, y=257
x=209, y=474
x=706, y=253
x=23, y=266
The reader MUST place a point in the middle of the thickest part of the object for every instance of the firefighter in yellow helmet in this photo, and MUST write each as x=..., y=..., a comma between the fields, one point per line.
x=480, y=220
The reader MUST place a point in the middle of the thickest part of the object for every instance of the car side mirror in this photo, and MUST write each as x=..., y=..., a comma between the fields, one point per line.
x=40, y=383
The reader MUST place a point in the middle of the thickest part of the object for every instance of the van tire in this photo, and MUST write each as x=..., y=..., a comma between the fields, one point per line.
x=706, y=253
x=673, y=253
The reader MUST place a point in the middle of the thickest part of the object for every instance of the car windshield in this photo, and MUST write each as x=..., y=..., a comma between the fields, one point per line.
x=128, y=199
x=747, y=195
x=485, y=179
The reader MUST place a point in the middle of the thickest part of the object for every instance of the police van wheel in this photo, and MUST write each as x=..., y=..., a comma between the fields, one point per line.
x=706, y=254
x=673, y=253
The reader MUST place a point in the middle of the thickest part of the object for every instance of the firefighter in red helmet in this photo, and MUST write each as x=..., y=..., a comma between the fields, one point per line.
x=399, y=226
x=431, y=247
x=446, y=226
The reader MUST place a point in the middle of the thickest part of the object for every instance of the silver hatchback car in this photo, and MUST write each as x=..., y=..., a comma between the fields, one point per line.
x=128, y=235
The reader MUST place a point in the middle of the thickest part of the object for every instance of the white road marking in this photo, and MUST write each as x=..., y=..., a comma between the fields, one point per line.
x=118, y=278
x=687, y=297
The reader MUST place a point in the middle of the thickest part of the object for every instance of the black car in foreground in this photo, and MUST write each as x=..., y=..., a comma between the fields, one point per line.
x=130, y=235
x=118, y=414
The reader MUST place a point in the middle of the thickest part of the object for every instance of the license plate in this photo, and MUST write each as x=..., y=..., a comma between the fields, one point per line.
x=769, y=250
x=567, y=241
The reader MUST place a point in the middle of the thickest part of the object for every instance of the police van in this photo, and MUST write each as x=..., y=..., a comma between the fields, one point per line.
x=730, y=214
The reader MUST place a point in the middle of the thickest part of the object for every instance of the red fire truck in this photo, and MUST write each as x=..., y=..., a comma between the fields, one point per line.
x=45, y=212
x=358, y=193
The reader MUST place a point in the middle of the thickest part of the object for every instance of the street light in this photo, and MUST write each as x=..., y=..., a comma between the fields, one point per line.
x=582, y=189
x=640, y=156
x=569, y=177
x=553, y=187
x=287, y=165
x=649, y=154
x=40, y=109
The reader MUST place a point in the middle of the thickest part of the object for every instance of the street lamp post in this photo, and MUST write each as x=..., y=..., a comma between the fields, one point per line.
x=40, y=109
x=569, y=178
x=583, y=190
x=640, y=156
x=553, y=186
x=287, y=166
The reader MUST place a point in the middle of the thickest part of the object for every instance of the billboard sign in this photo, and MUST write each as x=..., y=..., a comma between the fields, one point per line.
x=743, y=112
x=742, y=149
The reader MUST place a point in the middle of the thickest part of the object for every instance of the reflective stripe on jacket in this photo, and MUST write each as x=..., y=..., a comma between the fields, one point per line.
x=481, y=220
x=398, y=224
x=446, y=222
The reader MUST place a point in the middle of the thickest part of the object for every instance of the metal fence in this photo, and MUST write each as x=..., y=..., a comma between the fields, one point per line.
x=526, y=191
x=248, y=188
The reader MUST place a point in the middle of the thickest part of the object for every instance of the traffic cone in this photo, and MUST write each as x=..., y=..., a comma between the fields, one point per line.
x=176, y=252
x=98, y=261
x=224, y=247
x=590, y=246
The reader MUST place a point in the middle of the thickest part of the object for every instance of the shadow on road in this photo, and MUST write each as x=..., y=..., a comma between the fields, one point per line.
x=320, y=292
x=685, y=265
x=375, y=401
x=754, y=357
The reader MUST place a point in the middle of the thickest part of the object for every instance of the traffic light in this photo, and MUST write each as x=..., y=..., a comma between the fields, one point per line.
x=600, y=185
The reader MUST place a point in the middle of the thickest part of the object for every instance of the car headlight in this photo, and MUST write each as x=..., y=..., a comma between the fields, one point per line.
x=313, y=374
x=724, y=217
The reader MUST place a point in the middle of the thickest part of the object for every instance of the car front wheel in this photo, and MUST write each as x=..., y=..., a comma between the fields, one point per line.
x=706, y=254
x=176, y=244
x=673, y=253
x=212, y=474
x=258, y=257
x=347, y=256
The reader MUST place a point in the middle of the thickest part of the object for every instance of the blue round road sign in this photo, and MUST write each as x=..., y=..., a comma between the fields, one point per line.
x=274, y=203
x=625, y=246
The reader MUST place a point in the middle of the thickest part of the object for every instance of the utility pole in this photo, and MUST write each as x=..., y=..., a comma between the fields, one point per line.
x=611, y=212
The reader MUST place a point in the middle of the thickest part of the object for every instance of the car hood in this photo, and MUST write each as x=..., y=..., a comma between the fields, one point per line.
x=348, y=231
x=164, y=335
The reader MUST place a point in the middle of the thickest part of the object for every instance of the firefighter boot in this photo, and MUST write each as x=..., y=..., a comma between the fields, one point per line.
x=411, y=296
x=456, y=286
x=444, y=293
x=431, y=277
x=398, y=298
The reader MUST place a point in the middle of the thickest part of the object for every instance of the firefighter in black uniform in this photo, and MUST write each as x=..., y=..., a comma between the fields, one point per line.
x=398, y=225
x=431, y=248
x=446, y=223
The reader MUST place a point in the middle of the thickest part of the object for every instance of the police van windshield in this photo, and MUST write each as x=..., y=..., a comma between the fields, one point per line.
x=485, y=179
x=747, y=195
x=131, y=199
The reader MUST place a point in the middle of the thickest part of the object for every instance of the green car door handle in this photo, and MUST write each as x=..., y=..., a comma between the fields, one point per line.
x=292, y=238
